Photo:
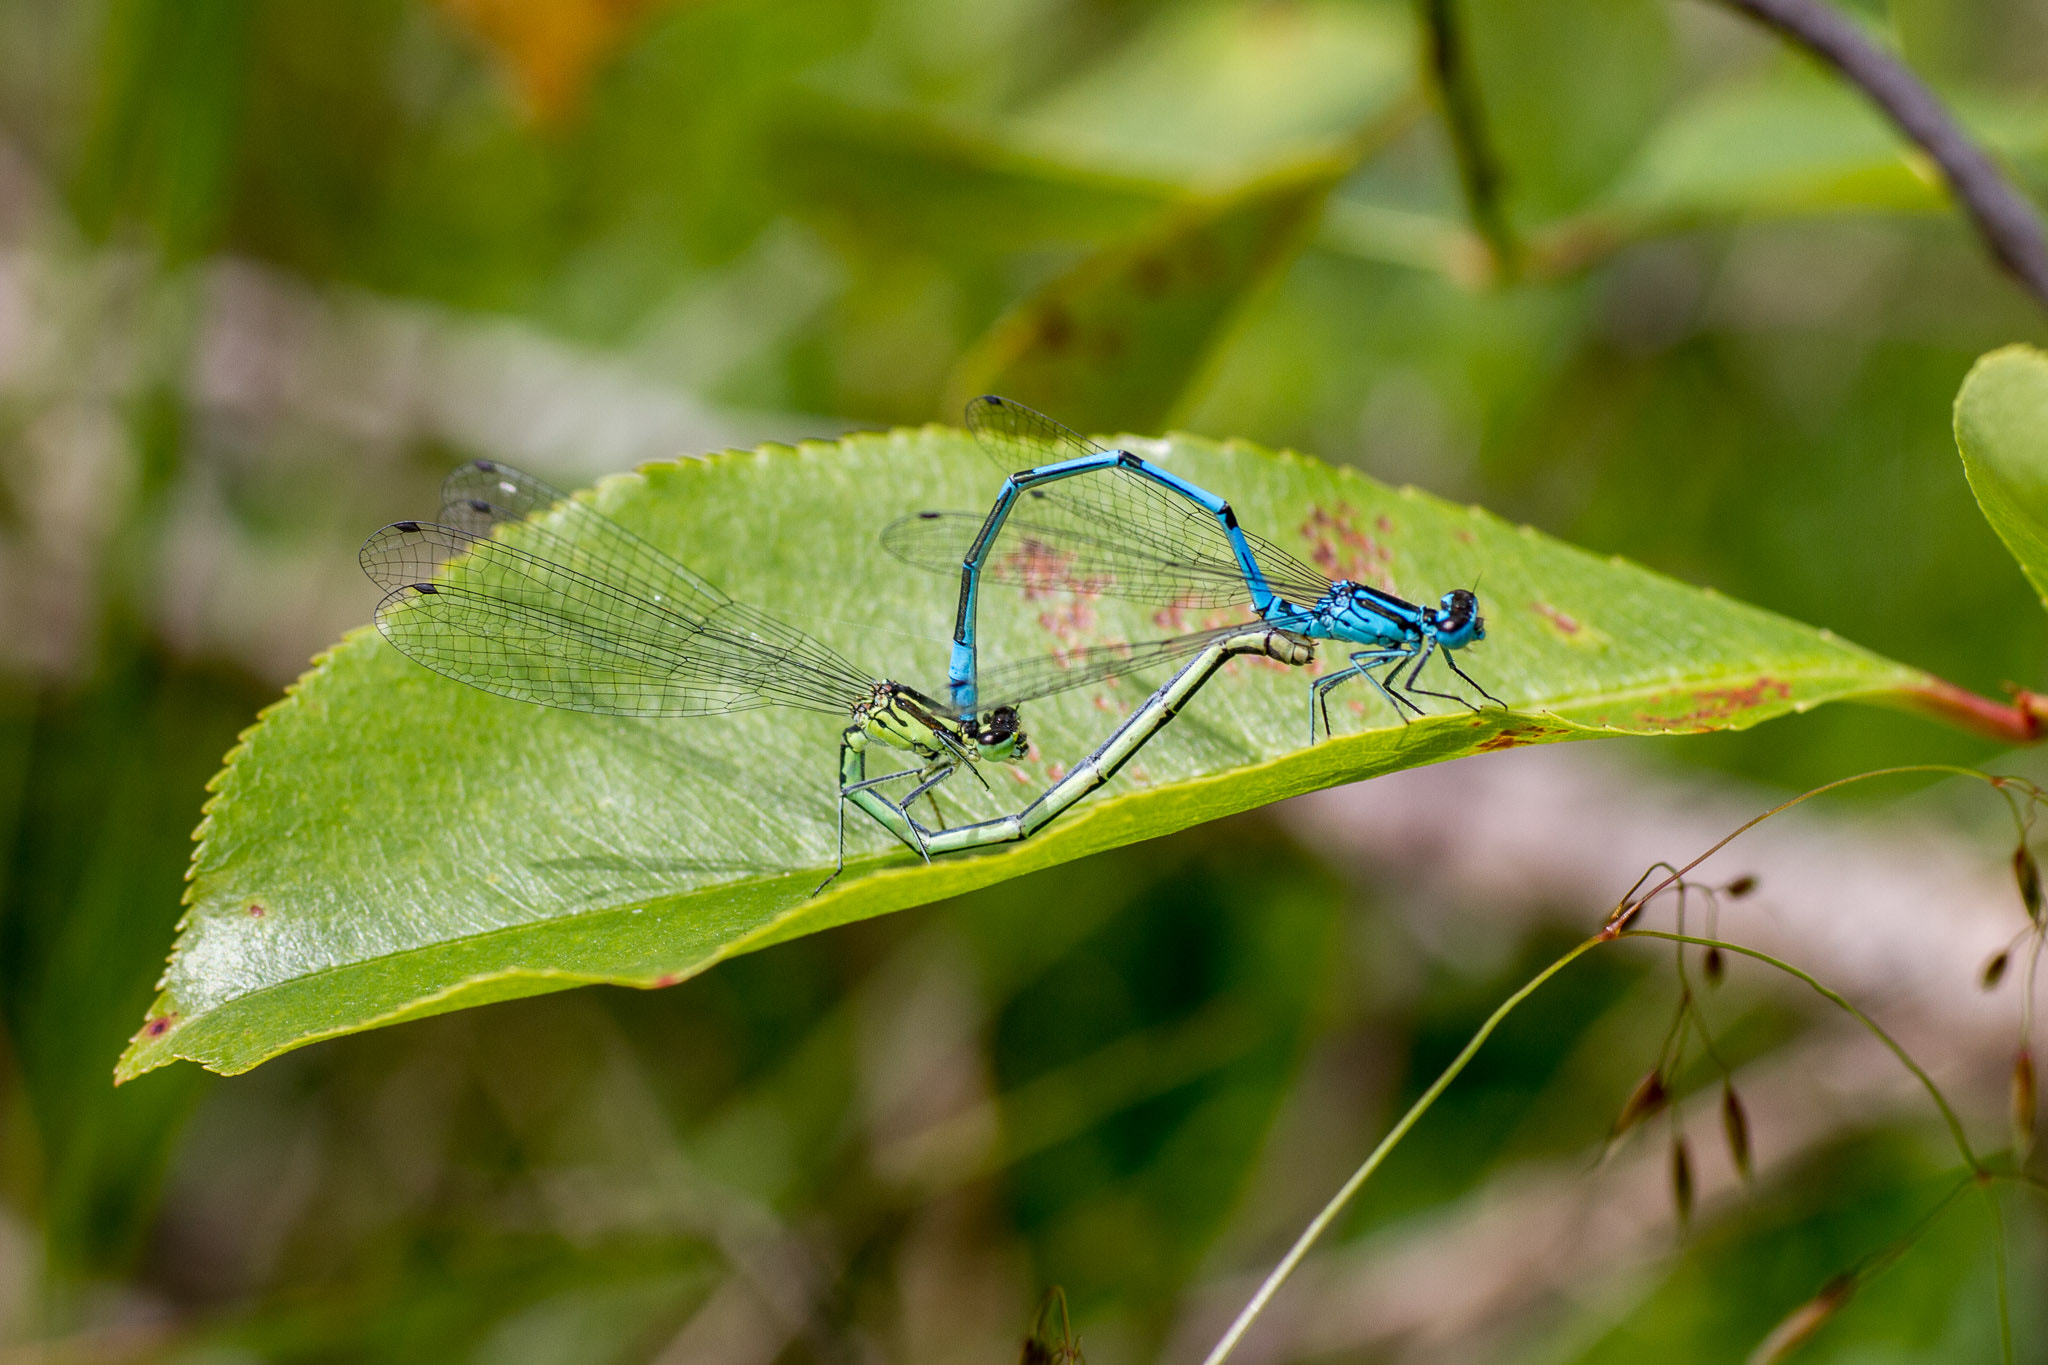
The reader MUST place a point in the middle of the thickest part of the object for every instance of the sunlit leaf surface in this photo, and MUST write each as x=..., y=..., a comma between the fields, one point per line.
x=387, y=844
x=2002, y=430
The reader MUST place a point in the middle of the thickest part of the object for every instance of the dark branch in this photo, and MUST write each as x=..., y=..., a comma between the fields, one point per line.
x=2009, y=224
x=1478, y=168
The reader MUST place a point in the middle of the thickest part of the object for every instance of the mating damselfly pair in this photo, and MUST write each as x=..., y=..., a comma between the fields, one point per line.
x=528, y=593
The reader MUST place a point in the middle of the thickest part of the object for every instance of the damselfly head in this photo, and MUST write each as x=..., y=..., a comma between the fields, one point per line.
x=1456, y=620
x=1000, y=735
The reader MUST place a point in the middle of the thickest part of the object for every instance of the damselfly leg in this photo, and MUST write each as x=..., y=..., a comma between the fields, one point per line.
x=1362, y=665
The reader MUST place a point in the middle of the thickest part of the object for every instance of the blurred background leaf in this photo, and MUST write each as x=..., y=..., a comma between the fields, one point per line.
x=1114, y=344
x=2002, y=430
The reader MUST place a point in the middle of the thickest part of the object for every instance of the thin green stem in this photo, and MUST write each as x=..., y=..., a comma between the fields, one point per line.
x=1883, y=1260
x=1321, y=1222
x=1616, y=929
x=1450, y=66
x=1632, y=903
x=1840, y=1001
x=2027, y=987
x=1999, y=1272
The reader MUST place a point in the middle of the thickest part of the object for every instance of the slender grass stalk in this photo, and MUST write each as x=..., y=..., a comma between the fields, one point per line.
x=1632, y=902
x=1321, y=1222
x=1841, y=1002
x=1318, y=1225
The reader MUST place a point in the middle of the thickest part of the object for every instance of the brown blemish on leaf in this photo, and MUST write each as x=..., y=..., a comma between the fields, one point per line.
x=1710, y=705
x=1570, y=629
x=159, y=1026
x=1516, y=736
x=1462, y=536
x=1042, y=570
x=256, y=910
x=1341, y=548
x=1055, y=326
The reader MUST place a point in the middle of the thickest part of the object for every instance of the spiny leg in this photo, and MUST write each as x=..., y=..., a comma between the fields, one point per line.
x=839, y=866
x=1410, y=660
x=923, y=845
x=886, y=777
x=1415, y=673
x=960, y=756
x=944, y=770
x=933, y=777
x=1362, y=664
x=1319, y=699
x=1453, y=666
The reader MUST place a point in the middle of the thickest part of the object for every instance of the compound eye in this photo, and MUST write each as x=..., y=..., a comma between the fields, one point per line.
x=999, y=725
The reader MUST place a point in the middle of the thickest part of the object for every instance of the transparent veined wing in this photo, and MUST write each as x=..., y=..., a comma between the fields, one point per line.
x=1067, y=555
x=542, y=598
x=1035, y=679
x=1112, y=530
x=484, y=495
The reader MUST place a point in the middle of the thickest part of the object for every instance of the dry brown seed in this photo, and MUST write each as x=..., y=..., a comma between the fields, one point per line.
x=1801, y=1323
x=2027, y=873
x=1649, y=1098
x=1735, y=1123
x=1994, y=970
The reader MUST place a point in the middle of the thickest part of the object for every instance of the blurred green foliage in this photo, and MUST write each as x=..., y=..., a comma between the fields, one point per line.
x=267, y=266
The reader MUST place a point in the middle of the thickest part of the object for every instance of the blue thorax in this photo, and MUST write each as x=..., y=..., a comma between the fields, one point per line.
x=1366, y=616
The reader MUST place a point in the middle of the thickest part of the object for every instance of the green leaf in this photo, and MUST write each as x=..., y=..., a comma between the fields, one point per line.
x=1566, y=92
x=1789, y=144
x=2002, y=431
x=1120, y=339
x=882, y=180
x=1217, y=91
x=386, y=844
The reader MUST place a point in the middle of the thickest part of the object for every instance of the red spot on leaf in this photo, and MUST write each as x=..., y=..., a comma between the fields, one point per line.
x=667, y=979
x=1566, y=625
x=256, y=911
x=1516, y=736
x=1708, y=705
x=159, y=1026
x=1341, y=548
